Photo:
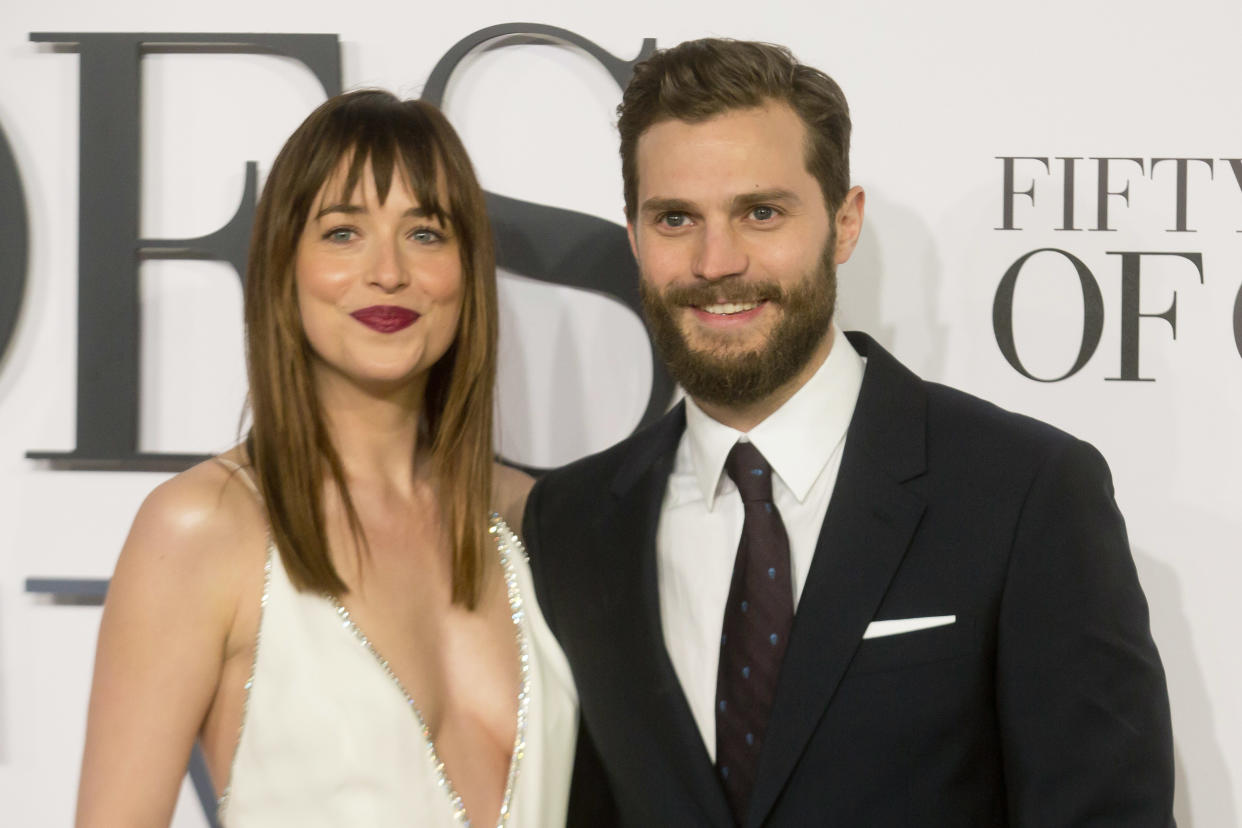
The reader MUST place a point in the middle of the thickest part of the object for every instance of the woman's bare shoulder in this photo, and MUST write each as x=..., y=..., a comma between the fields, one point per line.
x=206, y=518
x=510, y=487
x=174, y=615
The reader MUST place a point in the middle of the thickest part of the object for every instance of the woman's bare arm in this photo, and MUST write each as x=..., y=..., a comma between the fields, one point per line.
x=162, y=642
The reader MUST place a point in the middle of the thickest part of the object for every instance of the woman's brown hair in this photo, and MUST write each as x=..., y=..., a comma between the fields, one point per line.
x=289, y=445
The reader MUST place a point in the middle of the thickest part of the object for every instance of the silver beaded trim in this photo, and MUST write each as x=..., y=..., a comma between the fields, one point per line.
x=506, y=543
x=223, y=801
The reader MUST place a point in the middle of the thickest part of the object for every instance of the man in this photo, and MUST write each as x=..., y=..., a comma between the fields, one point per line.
x=822, y=591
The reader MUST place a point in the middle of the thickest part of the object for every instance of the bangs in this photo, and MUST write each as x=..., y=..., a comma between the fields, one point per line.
x=407, y=145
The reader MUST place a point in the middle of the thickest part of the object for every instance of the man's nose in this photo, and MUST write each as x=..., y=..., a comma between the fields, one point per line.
x=720, y=253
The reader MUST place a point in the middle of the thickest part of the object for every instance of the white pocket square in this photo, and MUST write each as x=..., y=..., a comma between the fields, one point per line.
x=897, y=626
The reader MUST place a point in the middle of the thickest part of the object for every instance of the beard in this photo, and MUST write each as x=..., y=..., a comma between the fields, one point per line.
x=720, y=374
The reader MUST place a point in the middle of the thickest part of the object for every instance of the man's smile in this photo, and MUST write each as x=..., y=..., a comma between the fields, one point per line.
x=728, y=315
x=728, y=308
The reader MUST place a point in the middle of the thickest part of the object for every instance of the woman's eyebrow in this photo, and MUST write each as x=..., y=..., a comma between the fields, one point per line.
x=346, y=208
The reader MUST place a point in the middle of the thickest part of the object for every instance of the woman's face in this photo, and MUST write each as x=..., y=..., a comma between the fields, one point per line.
x=379, y=286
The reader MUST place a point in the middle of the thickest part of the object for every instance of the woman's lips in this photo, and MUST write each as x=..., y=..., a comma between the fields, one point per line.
x=386, y=318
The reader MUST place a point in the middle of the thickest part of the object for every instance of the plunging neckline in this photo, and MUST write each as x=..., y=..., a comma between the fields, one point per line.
x=507, y=545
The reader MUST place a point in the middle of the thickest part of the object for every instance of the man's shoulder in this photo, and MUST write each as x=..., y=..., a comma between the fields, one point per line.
x=955, y=418
x=1001, y=452
x=958, y=414
x=592, y=476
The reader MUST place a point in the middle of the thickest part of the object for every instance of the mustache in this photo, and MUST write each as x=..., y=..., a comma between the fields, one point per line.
x=723, y=291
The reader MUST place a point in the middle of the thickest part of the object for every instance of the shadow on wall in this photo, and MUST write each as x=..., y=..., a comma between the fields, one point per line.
x=1194, y=731
x=526, y=424
x=513, y=404
x=890, y=287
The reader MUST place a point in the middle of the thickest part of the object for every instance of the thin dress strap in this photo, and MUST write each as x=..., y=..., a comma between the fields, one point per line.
x=245, y=475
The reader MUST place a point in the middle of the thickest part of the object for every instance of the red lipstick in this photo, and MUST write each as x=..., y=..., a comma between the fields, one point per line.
x=386, y=318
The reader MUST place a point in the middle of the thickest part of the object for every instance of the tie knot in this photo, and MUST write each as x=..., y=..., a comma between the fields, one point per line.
x=750, y=472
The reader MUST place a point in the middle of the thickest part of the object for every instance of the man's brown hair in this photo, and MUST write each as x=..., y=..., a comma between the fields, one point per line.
x=699, y=79
x=289, y=445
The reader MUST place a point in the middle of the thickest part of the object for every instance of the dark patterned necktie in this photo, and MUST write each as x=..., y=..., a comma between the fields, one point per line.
x=757, y=621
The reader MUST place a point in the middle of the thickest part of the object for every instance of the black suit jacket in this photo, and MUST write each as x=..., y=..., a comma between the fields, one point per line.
x=1044, y=704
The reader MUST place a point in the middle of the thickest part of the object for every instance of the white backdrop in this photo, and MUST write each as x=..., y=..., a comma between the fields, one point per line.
x=938, y=92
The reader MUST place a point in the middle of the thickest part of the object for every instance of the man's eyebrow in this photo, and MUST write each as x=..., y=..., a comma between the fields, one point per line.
x=776, y=195
x=665, y=205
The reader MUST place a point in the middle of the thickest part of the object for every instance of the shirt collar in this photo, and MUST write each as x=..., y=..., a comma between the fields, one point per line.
x=797, y=439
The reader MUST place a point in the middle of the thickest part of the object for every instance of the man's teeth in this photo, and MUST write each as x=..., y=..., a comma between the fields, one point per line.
x=730, y=307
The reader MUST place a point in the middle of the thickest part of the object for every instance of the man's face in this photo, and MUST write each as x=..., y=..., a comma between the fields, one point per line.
x=737, y=251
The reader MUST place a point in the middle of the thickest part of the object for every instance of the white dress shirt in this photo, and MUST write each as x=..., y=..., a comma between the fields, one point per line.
x=701, y=516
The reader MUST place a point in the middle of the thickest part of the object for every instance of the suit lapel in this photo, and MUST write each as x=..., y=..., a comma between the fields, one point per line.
x=653, y=685
x=866, y=531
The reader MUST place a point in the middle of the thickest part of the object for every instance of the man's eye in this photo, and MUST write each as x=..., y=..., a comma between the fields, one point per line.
x=674, y=219
x=763, y=213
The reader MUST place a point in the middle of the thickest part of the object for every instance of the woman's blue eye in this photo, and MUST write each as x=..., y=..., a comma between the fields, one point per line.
x=339, y=234
x=426, y=236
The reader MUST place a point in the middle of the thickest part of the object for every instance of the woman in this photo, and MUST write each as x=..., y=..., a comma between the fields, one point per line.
x=360, y=501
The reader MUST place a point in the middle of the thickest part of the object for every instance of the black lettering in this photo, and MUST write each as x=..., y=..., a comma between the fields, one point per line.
x=1183, y=185
x=14, y=245
x=1092, y=315
x=553, y=245
x=1007, y=190
x=1235, y=164
x=1102, y=192
x=1068, y=193
x=1131, y=314
x=515, y=34
x=109, y=247
x=1237, y=321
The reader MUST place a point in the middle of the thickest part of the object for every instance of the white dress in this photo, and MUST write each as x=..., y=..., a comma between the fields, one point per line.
x=330, y=737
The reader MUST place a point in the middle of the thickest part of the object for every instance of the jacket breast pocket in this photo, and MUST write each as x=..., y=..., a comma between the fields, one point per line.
x=908, y=649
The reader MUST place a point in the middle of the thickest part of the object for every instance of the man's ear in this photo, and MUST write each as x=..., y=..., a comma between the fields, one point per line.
x=629, y=232
x=849, y=220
